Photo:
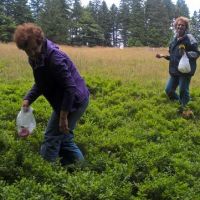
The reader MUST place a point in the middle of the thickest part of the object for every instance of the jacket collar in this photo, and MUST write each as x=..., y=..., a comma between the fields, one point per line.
x=177, y=40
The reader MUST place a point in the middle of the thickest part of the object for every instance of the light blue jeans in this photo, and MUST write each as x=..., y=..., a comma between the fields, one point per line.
x=57, y=144
x=183, y=82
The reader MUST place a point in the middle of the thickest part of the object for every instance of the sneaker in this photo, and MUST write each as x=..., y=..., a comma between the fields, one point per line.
x=188, y=114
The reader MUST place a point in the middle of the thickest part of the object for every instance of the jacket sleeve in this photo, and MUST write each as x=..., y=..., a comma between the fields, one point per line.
x=61, y=69
x=193, y=53
x=167, y=57
x=33, y=94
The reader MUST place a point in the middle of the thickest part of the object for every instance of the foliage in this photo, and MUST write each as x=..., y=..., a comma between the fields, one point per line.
x=55, y=27
x=181, y=8
x=195, y=25
x=137, y=26
x=133, y=23
x=91, y=33
x=7, y=27
x=136, y=145
x=114, y=17
x=19, y=10
x=157, y=26
x=124, y=20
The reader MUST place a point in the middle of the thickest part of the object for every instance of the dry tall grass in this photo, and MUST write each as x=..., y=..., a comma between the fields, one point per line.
x=125, y=64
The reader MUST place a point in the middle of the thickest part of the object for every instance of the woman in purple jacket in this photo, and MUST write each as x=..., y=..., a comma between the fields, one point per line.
x=182, y=42
x=57, y=79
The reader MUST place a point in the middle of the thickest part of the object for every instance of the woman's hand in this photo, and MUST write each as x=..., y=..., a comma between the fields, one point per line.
x=63, y=122
x=162, y=56
x=159, y=55
x=25, y=105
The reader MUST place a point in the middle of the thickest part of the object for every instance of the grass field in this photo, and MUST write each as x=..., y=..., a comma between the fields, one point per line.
x=123, y=64
x=126, y=64
x=136, y=145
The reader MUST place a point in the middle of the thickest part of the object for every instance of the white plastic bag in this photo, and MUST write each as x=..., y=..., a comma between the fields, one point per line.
x=184, y=64
x=25, y=122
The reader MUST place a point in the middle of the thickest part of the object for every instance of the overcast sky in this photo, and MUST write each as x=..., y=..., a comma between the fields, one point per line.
x=192, y=4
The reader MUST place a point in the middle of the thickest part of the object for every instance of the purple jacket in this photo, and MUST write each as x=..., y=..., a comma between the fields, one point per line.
x=57, y=78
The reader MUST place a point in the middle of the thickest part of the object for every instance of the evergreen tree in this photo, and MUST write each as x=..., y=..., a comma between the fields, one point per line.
x=134, y=23
x=170, y=7
x=75, y=18
x=7, y=25
x=104, y=19
x=9, y=7
x=91, y=33
x=55, y=20
x=124, y=9
x=18, y=10
x=36, y=7
x=114, y=14
x=195, y=25
x=182, y=9
x=22, y=12
x=137, y=23
x=156, y=25
x=94, y=7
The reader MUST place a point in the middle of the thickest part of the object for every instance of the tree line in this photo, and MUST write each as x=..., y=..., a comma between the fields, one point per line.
x=132, y=23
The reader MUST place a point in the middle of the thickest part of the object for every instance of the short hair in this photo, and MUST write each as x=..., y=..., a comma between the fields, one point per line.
x=184, y=19
x=27, y=32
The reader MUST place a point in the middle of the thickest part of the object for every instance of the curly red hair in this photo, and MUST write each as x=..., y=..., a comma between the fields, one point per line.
x=27, y=32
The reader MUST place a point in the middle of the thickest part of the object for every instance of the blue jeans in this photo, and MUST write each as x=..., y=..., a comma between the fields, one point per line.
x=57, y=144
x=183, y=82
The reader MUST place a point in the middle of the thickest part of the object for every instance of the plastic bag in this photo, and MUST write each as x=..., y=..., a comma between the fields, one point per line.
x=25, y=122
x=184, y=64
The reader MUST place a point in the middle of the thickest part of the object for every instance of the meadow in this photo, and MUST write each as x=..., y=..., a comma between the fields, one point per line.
x=136, y=145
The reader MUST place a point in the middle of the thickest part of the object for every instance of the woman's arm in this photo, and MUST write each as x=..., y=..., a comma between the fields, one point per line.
x=33, y=94
x=167, y=57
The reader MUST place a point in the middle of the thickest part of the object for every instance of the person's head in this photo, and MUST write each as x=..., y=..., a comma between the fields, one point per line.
x=181, y=25
x=29, y=37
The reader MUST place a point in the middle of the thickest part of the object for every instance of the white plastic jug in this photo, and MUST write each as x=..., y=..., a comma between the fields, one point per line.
x=25, y=122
